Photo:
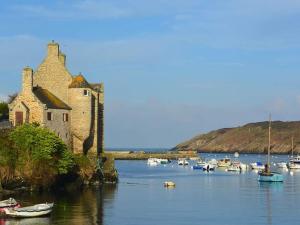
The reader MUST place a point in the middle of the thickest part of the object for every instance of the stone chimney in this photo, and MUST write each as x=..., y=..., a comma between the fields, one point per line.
x=62, y=58
x=27, y=79
x=53, y=49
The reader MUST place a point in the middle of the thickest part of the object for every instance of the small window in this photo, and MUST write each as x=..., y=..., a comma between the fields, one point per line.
x=86, y=93
x=65, y=117
x=49, y=116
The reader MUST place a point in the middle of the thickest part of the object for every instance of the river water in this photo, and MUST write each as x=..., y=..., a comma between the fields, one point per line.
x=199, y=197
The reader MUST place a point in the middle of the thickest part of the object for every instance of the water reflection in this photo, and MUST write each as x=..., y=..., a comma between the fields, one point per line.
x=79, y=207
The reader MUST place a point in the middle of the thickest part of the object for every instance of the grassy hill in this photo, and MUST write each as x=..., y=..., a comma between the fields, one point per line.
x=250, y=138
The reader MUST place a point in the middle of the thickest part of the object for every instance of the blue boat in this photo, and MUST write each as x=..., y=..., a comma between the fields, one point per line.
x=197, y=167
x=270, y=177
x=266, y=175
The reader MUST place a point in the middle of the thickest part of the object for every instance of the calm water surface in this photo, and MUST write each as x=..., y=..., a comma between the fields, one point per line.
x=199, y=198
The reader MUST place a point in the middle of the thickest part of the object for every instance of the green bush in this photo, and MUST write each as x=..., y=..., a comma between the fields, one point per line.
x=42, y=148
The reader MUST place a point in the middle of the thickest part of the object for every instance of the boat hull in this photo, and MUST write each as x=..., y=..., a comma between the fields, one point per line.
x=273, y=177
x=28, y=214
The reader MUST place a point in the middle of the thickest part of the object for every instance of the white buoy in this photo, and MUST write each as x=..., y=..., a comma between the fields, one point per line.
x=291, y=173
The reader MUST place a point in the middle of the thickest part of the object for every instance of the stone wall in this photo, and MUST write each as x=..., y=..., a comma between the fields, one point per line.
x=58, y=125
x=52, y=73
x=81, y=123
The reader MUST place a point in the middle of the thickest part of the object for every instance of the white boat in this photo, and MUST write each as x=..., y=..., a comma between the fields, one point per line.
x=8, y=203
x=237, y=166
x=294, y=166
x=209, y=167
x=30, y=211
x=213, y=162
x=183, y=162
x=152, y=162
x=226, y=162
x=294, y=162
x=194, y=158
x=257, y=166
x=234, y=168
x=282, y=165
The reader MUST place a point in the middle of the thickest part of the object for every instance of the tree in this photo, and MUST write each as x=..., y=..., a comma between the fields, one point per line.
x=41, y=153
x=3, y=110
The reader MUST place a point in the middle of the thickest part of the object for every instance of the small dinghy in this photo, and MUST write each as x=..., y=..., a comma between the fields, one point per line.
x=8, y=203
x=30, y=211
x=169, y=184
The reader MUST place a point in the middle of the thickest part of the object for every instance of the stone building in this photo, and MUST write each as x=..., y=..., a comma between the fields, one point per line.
x=68, y=105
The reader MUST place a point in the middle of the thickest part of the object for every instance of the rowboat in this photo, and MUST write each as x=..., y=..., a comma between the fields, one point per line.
x=30, y=211
x=8, y=203
x=169, y=184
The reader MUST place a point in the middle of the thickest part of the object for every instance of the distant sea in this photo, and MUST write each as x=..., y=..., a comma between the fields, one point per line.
x=139, y=149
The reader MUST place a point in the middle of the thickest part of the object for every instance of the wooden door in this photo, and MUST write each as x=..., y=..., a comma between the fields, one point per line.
x=19, y=118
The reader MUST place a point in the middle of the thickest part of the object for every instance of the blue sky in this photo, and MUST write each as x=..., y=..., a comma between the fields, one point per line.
x=172, y=69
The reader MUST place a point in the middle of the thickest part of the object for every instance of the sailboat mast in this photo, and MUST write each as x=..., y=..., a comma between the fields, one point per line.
x=292, y=146
x=269, y=147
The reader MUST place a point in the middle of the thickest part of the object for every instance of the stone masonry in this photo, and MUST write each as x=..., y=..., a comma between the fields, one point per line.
x=68, y=105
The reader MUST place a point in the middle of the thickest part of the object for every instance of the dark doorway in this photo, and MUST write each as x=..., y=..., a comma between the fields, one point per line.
x=19, y=118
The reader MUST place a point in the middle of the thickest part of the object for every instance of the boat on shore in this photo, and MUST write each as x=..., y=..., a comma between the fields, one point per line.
x=30, y=211
x=266, y=175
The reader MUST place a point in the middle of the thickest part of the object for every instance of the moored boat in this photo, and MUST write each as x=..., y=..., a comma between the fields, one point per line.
x=152, y=162
x=183, y=162
x=294, y=166
x=30, y=211
x=257, y=166
x=8, y=203
x=282, y=165
x=164, y=161
x=266, y=175
x=209, y=167
x=226, y=162
x=234, y=168
x=270, y=177
x=169, y=184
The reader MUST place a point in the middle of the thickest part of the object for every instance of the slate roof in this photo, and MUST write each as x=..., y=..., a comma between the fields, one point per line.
x=79, y=82
x=49, y=99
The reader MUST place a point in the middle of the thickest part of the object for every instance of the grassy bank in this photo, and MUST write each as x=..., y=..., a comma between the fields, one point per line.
x=33, y=157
